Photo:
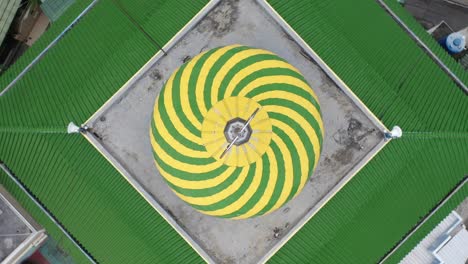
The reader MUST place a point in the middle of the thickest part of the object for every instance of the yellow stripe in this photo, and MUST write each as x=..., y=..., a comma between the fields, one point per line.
x=267, y=64
x=233, y=61
x=266, y=197
x=289, y=171
x=212, y=199
x=184, y=87
x=286, y=79
x=173, y=116
x=200, y=88
x=197, y=185
x=181, y=165
x=295, y=98
x=215, y=122
x=245, y=197
x=298, y=143
x=180, y=148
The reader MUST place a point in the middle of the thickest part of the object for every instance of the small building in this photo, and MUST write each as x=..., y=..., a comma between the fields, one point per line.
x=20, y=235
x=447, y=243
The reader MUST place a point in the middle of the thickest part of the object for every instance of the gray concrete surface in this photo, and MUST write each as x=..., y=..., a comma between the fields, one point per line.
x=13, y=229
x=349, y=134
x=462, y=210
x=431, y=12
x=463, y=3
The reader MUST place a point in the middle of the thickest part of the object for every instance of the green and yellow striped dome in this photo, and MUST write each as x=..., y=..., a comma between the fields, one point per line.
x=236, y=132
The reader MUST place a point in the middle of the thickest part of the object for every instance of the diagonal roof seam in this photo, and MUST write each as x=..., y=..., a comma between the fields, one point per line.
x=46, y=49
x=129, y=16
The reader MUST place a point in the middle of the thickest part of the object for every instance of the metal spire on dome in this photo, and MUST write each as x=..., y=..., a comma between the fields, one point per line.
x=239, y=133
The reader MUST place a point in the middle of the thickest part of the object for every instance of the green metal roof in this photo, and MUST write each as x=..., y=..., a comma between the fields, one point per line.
x=83, y=70
x=404, y=87
x=8, y=10
x=371, y=53
x=452, y=203
x=52, y=32
x=417, y=28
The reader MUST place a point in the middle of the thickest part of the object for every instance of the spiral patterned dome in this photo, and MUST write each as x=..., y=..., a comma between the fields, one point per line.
x=236, y=132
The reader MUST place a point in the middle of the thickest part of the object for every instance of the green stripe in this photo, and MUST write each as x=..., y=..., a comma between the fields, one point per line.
x=233, y=197
x=214, y=70
x=292, y=149
x=189, y=176
x=285, y=88
x=240, y=66
x=279, y=181
x=265, y=73
x=301, y=111
x=171, y=129
x=208, y=191
x=177, y=103
x=176, y=154
x=258, y=193
x=193, y=84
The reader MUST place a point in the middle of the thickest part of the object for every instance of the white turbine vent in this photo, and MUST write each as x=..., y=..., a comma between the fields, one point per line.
x=72, y=128
x=395, y=133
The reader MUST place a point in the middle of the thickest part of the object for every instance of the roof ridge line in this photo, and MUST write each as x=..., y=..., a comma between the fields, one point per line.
x=436, y=134
x=34, y=130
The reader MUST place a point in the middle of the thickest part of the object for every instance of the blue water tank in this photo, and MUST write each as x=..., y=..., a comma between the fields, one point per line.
x=454, y=43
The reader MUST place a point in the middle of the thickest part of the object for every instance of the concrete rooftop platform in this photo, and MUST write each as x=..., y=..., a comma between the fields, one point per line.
x=121, y=132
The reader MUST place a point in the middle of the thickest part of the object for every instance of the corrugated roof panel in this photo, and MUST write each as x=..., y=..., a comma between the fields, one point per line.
x=385, y=69
x=429, y=226
x=162, y=19
x=53, y=31
x=92, y=200
x=382, y=202
x=380, y=63
x=417, y=28
x=97, y=58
